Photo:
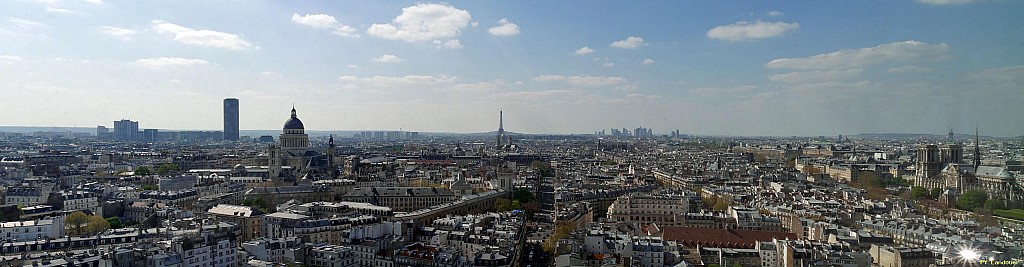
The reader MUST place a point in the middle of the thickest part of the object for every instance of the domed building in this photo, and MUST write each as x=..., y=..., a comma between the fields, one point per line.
x=294, y=137
x=293, y=151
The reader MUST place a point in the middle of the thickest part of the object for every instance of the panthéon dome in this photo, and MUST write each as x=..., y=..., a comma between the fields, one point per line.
x=293, y=123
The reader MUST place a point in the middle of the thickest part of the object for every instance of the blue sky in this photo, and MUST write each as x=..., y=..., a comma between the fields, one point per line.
x=724, y=68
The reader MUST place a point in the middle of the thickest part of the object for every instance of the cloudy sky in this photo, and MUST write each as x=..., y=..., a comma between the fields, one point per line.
x=724, y=68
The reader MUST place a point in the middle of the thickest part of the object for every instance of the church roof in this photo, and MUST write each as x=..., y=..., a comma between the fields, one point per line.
x=993, y=171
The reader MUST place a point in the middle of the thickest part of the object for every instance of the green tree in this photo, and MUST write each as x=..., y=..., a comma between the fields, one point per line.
x=562, y=229
x=167, y=168
x=149, y=187
x=75, y=223
x=522, y=195
x=543, y=167
x=868, y=179
x=971, y=200
x=995, y=204
x=143, y=171
x=256, y=203
x=115, y=223
x=918, y=192
x=96, y=224
x=721, y=206
x=936, y=192
x=502, y=205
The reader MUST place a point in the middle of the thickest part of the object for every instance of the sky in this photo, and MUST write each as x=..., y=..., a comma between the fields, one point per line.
x=702, y=67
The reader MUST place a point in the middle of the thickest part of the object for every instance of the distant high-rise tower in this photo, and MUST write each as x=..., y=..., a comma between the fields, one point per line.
x=126, y=130
x=231, y=119
x=501, y=130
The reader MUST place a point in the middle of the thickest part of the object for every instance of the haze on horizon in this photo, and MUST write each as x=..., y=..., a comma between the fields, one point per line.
x=735, y=68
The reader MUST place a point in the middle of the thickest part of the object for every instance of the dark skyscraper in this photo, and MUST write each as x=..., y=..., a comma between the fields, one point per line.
x=231, y=119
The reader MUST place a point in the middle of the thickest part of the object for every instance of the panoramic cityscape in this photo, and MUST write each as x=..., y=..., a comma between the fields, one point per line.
x=464, y=133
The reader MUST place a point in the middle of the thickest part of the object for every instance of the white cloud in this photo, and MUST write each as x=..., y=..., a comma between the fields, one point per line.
x=909, y=69
x=816, y=76
x=423, y=22
x=709, y=91
x=536, y=94
x=908, y=51
x=648, y=61
x=583, y=80
x=408, y=79
x=315, y=20
x=631, y=42
x=585, y=50
x=477, y=87
x=210, y=38
x=324, y=21
x=398, y=80
x=268, y=73
x=389, y=59
x=945, y=2
x=161, y=62
x=608, y=64
x=352, y=66
x=9, y=58
x=504, y=28
x=999, y=74
x=97, y=2
x=120, y=33
x=450, y=44
x=775, y=13
x=54, y=10
x=745, y=30
x=27, y=25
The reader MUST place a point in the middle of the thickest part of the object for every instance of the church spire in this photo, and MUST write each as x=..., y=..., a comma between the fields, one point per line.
x=501, y=121
x=293, y=111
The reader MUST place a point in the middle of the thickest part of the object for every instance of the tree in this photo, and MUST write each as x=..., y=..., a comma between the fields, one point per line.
x=721, y=206
x=936, y=192
x=971, y=200
x=143, y=171
x=867, y=179
x=75, y=223
x=256, y=203
x=543, y=167
x=562, y=229
x=760, y=158
x=531, y=209
x=148, y=187
x=918, y=192
x=811, y=169
x=502, y=205
x=115, y=223
x=167, y=168
x=995, y=204
x=522, y=195
x=79, y=224
x=97, y=224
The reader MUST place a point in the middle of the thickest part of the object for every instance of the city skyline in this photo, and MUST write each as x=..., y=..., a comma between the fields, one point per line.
x=714, y=69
